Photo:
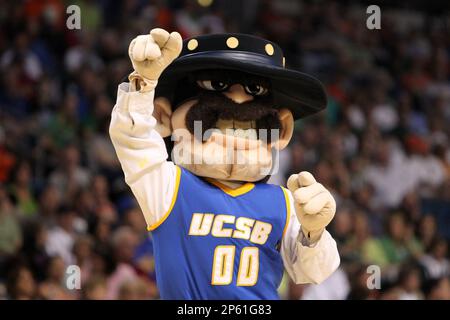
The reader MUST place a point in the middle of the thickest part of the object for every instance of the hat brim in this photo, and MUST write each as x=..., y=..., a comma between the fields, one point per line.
x=303, y=94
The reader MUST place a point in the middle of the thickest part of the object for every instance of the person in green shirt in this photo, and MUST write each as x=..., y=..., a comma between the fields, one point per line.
x=397, y=246
x=10, y=230
x=21, y=191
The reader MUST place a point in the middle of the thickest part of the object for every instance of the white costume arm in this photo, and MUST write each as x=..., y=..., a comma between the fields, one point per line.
x=142, y=153
x=307, y=263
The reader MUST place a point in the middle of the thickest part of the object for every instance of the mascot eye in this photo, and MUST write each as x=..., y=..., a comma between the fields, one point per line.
x=255, y=89
x=212, y=85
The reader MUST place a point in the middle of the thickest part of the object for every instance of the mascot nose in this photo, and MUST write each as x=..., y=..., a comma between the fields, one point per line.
x=237, y=93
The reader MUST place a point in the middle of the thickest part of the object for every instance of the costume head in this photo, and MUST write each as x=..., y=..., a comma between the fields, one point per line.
x=229, y=101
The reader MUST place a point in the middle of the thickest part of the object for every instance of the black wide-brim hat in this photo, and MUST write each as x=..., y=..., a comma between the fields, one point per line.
x=301, y=93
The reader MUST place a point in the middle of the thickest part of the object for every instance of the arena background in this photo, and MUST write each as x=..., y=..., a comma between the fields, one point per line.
x=382, y=146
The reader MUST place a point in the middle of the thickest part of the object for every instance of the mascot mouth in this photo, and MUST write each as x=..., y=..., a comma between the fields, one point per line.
x=238, y=129
x=234, y=142
x=218, y=118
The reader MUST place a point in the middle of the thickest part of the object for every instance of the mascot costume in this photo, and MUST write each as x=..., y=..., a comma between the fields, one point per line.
x=219, y=230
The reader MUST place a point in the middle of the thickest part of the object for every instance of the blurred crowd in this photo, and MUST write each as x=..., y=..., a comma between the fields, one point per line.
x=382, y=147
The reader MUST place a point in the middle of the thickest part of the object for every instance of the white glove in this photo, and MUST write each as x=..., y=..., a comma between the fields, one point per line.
x=150, y=54
x=314, y=205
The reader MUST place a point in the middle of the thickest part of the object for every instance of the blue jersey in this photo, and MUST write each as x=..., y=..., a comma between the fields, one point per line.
x=218, y=243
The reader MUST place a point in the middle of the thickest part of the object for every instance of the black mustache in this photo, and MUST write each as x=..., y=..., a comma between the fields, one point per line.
x=212, y=106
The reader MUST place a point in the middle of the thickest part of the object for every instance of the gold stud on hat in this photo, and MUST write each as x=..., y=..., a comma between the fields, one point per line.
x=192, y=44
x=232, y=42
x=269, y=49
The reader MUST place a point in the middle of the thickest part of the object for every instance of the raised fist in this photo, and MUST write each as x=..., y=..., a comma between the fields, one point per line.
x=150, y=54
x=314, y=205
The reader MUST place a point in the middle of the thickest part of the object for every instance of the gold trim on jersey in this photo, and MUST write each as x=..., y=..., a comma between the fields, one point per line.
x=247, y=187
x=174, y=198
x=288, y=209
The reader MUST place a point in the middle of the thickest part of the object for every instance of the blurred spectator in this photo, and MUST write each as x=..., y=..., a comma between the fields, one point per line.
x=61, y=128
x=20, y=188
x=21, y=284
x=435, y=262
x=133, y=290
x=61, y=237
x=21, y=53
x=70, y=177
x=143, y=253
x=427, y=230
x=49, y=203
x=10, y=229
x=54, y=287
x=438, y=289
x=7, y=158
x=397, y=246
x=361, y=238
x=82, y=251
x=95, y=289
x=35, y=240
x=124, y=242
x=409, y=284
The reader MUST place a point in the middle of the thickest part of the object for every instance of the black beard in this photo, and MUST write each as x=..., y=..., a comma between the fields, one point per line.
x=212, y=106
